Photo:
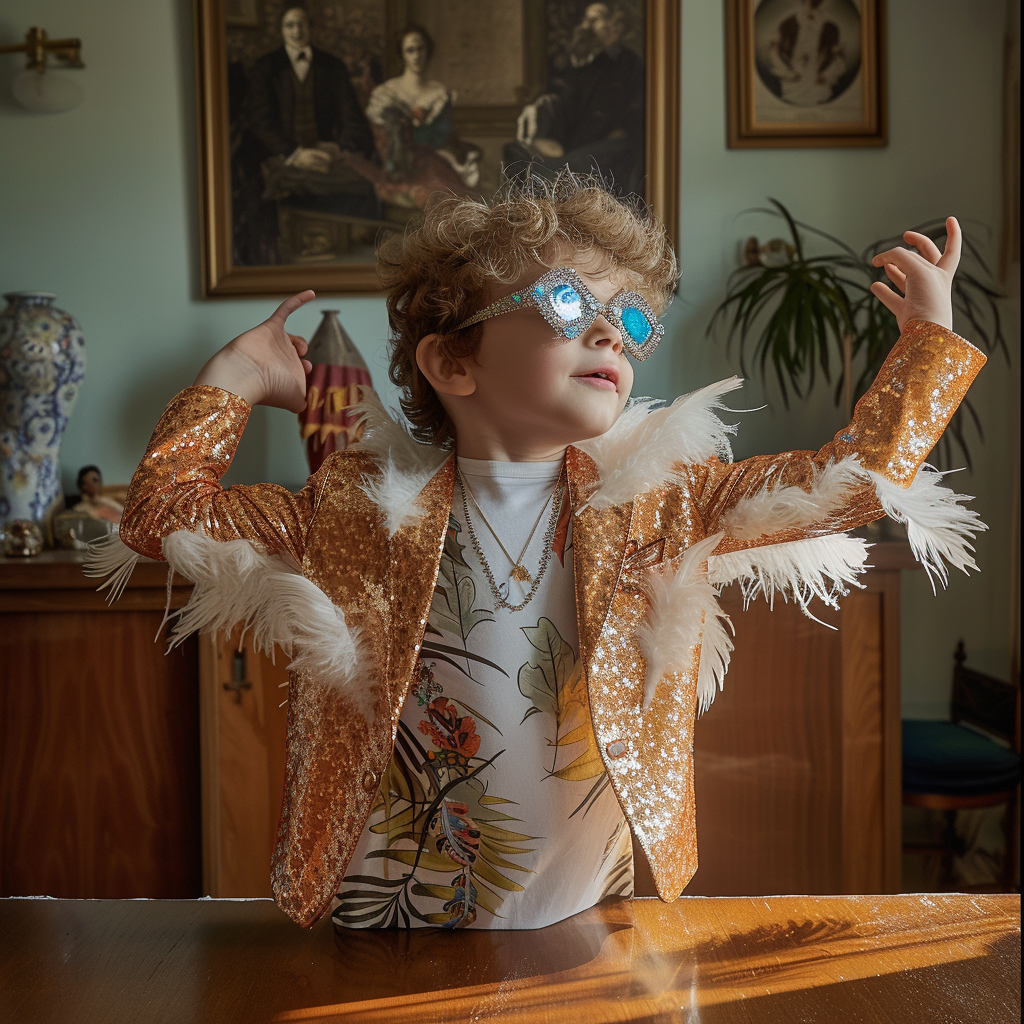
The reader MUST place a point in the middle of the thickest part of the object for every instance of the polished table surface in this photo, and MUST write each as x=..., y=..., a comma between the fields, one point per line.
x=842, y=959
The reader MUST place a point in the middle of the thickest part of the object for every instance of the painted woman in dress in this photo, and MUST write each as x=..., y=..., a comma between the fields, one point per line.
x=411, y=119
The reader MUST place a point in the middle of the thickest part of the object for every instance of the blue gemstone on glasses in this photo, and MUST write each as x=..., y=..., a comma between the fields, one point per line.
x=566, y=302
x=637, y=325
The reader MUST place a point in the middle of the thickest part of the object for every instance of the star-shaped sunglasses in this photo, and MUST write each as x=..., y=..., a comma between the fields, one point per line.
x=570, y=308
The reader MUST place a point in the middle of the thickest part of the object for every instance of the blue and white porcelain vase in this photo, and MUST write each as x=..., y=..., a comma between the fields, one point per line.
x=42, y=362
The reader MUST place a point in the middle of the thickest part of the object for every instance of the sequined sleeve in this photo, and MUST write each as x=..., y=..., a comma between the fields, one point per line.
x=177, y=485
x=895, y=425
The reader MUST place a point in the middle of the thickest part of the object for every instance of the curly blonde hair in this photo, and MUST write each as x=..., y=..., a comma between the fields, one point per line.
x=451, y=258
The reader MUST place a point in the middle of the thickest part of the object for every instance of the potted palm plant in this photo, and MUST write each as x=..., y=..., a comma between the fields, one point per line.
x=809, y=315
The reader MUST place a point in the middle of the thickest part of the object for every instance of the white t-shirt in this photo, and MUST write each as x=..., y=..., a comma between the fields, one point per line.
x=496, y=811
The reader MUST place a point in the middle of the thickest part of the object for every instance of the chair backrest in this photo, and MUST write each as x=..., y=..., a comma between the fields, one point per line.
x=984, y=701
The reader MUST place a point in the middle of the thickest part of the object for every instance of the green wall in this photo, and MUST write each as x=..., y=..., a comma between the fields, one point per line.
x=100, y=206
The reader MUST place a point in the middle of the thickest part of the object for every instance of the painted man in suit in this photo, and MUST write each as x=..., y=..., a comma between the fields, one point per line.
x=304, y=114
x=595, y=120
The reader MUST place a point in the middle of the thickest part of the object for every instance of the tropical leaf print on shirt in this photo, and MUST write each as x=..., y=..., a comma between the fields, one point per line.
x=452, y=608
x=548, y=669
x=435, y=811
x=554, y=683
x=460, y=833
x=619, y=881
x=451, y=732
x=574, y=727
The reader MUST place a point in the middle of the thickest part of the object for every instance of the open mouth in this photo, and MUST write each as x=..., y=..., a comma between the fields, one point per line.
x=607, y=379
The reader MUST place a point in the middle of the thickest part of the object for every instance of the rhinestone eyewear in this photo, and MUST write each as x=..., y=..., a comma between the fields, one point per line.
x=571, y=309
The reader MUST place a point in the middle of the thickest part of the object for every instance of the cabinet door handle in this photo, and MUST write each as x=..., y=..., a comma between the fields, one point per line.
x=238, y=681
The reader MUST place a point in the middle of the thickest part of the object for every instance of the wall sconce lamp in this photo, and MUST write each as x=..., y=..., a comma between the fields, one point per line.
x=33, y=88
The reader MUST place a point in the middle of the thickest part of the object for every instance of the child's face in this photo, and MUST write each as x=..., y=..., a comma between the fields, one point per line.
x=536, y=392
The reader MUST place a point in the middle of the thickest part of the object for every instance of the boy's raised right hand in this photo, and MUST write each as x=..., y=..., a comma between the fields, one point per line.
x=264, y=365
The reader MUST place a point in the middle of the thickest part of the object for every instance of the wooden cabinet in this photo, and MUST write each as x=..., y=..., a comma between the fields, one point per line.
x=798, y=762
x=125, y=772
x=99, y=737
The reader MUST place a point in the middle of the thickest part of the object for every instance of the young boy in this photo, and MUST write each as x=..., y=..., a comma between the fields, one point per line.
x=500, y=636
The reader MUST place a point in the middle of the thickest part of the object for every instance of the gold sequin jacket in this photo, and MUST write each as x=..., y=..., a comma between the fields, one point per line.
x=342, y=575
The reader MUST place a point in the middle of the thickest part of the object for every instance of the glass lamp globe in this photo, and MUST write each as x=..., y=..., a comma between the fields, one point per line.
x=46, y=93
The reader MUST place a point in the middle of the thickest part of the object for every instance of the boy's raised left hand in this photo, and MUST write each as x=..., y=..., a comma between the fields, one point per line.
x=925, y=278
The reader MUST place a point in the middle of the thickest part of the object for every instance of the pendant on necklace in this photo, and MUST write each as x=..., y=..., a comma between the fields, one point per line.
x=520, y=574
x=512, y=591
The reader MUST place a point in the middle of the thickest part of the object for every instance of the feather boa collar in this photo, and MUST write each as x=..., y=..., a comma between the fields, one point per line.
x=641, y=452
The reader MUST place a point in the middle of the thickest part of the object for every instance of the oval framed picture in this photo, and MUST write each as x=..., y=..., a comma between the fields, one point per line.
x=806, y=73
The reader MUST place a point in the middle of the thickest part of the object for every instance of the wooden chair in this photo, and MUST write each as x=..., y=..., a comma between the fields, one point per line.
x=949, y=767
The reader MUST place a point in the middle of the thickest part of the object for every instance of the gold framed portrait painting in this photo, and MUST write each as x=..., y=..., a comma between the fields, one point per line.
x=325, y=123
x=804, y=73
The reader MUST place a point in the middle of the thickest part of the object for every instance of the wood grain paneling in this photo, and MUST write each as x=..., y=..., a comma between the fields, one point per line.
x=99, y=738
x=860, y=671
x=768, y=774
x=798, y=759
x=100, y=758
x=888, y=584
x=243, y=737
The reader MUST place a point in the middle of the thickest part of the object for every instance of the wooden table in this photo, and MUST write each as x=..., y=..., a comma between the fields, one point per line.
x=875, y=959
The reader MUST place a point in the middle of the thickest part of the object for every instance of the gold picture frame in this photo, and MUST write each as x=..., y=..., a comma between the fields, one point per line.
x=225, y=273
x=806, y=73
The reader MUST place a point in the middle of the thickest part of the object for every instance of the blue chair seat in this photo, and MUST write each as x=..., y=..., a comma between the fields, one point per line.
x=950, y=759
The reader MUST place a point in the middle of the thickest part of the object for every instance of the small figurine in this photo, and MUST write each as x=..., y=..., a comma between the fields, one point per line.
x=93, y=501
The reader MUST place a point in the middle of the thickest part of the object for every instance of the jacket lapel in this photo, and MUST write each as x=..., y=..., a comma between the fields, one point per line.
x=599, y=544
x=414, y=557
x=384, y=582
x=615, y=547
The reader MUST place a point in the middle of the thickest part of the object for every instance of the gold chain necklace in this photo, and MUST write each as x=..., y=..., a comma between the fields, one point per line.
x=519, y=573
x=518, y=570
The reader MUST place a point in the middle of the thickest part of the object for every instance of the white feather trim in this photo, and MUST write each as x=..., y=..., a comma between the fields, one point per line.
x=406, y=465
x=235, y=583
x=804, y=569
x=774, y=509
x=112, y=558
x=715, y=652
x=645, y=447
x=938, y=526
x=684, y=612
x=397, y=494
